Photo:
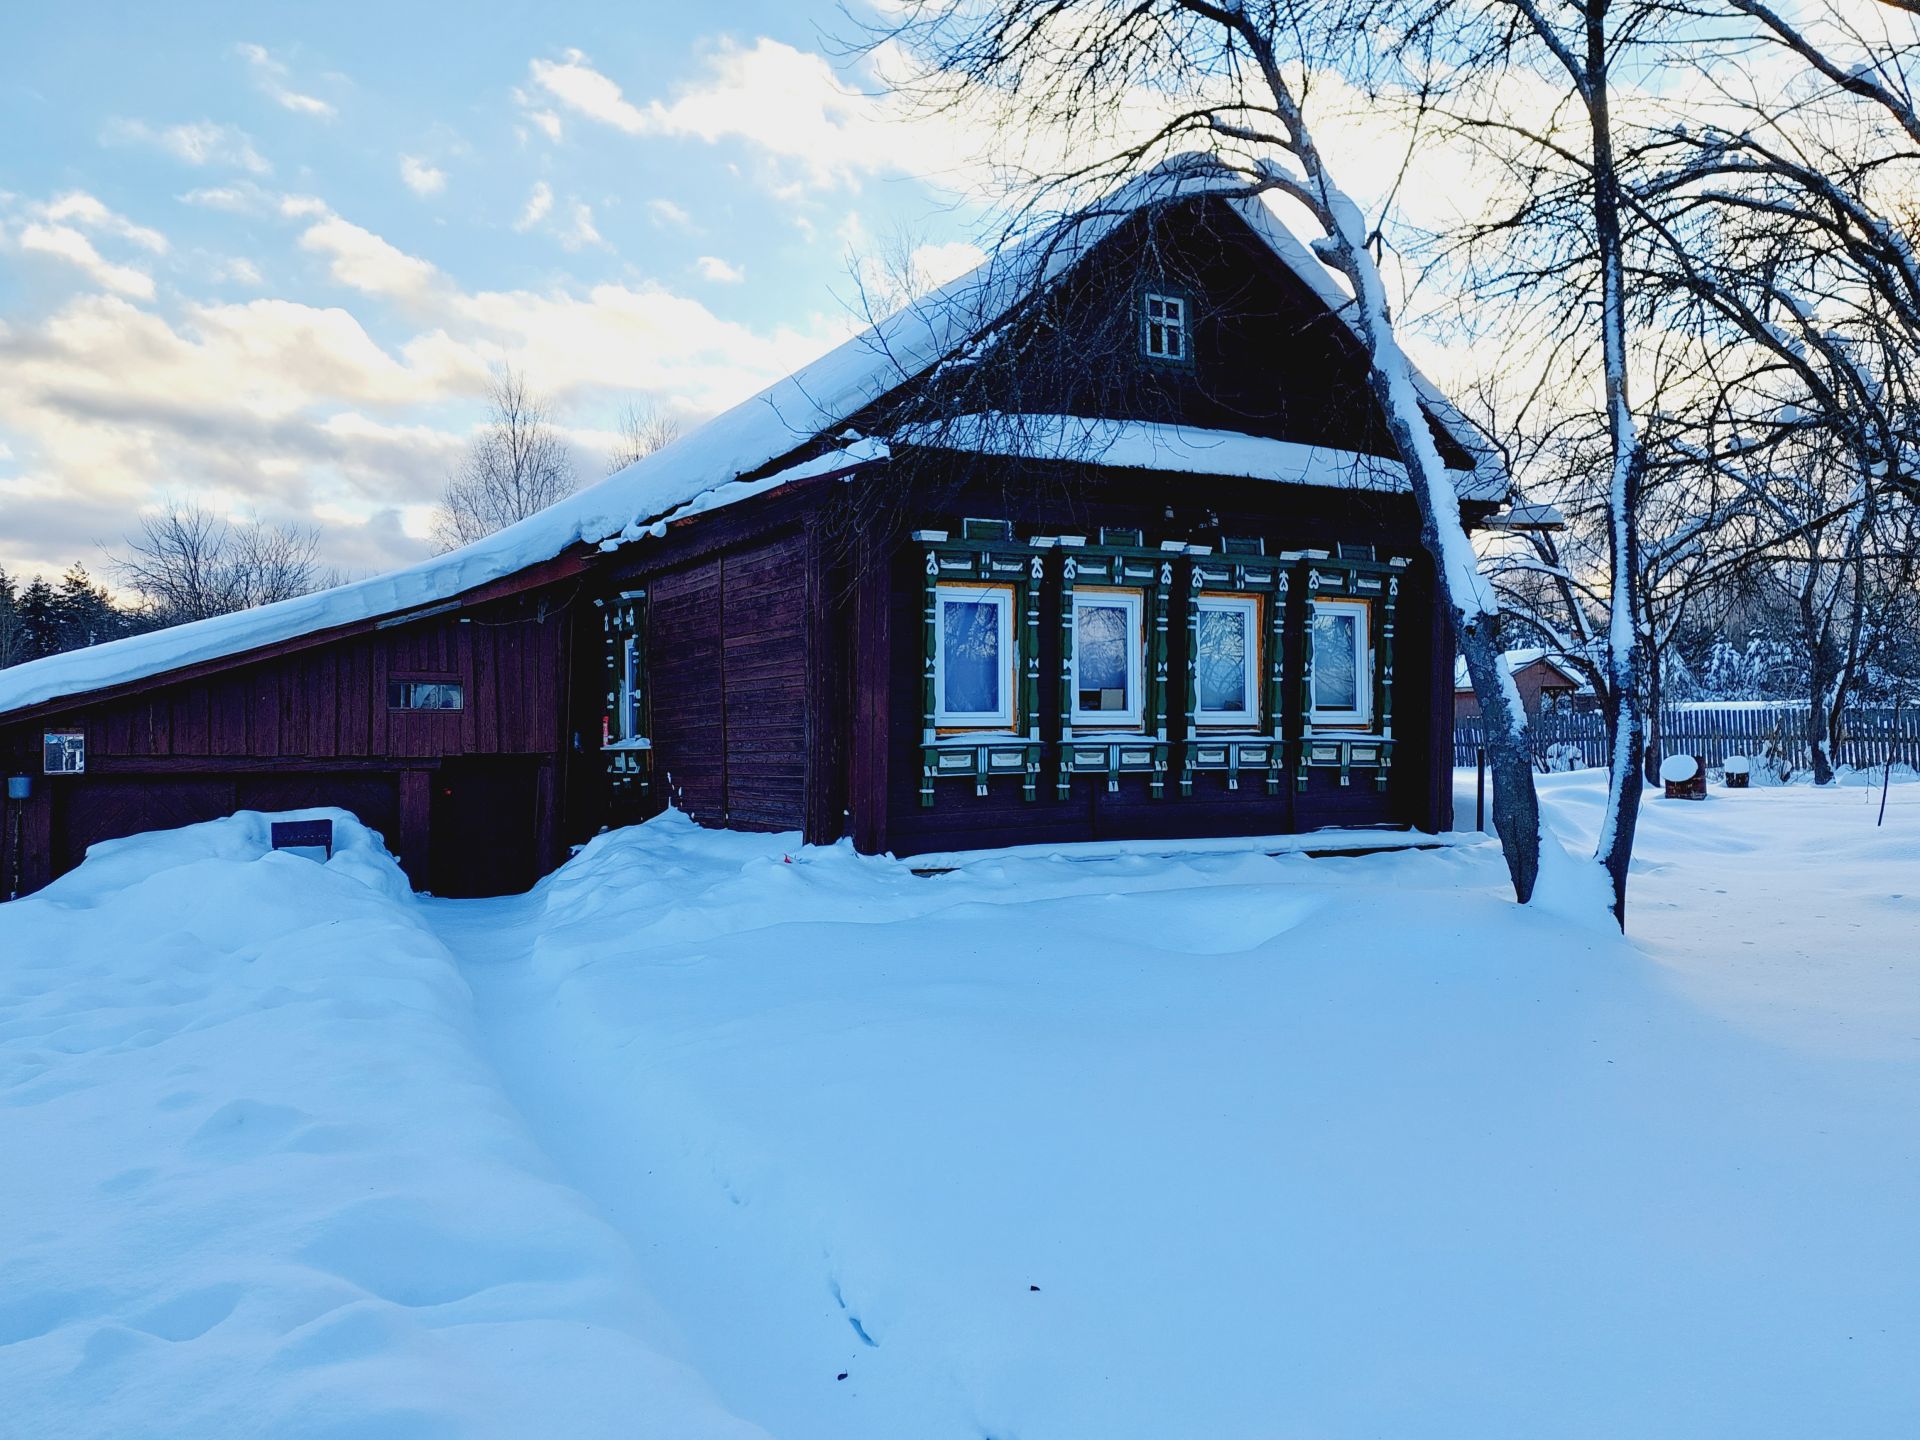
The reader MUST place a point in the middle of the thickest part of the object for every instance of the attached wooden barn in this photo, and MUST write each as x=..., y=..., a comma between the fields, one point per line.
x=1102, y=541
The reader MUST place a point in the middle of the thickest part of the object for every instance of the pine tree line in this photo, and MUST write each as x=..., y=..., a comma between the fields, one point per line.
x=39, y=618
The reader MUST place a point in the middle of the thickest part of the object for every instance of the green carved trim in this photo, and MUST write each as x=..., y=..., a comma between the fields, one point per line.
x=986, y=553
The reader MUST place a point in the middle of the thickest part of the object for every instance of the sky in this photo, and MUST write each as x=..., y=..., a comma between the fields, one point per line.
x=263, y=258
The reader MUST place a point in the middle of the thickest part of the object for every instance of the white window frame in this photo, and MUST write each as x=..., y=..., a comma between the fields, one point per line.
x=1362, y=665
x=1178, y=328
x=629, y=726
x=1000, y=596
x=1248, y=605
x=1130, y=601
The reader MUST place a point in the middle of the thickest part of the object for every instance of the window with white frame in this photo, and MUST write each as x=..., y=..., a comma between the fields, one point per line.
x=1164, y=326
x=629, y=701
x=1226, y=660
x=1108, y=651
x=973, y=657
x=1342, y=663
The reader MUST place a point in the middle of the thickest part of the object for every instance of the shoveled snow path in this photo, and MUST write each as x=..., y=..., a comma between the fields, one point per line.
x=1339, y=1148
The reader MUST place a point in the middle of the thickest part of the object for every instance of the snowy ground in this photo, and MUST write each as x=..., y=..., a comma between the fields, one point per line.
x=1224, y=1146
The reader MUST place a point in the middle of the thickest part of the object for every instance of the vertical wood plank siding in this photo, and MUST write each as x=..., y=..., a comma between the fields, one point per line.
x=309, y=727
x=728, y=643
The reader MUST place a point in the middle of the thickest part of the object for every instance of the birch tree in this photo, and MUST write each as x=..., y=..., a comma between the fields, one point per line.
x=517, y=466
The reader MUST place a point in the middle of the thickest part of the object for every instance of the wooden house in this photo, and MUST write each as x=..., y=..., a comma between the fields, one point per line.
x=1102, y=541
x=1544, y=682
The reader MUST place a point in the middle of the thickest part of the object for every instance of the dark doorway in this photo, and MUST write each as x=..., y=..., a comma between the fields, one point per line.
x=481, y=828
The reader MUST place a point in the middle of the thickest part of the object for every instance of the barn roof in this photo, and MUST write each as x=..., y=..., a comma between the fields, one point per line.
x=778, y=436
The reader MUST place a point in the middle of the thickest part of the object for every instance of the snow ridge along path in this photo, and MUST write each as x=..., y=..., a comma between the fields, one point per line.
x=1220, y=1145
x=258, y=1180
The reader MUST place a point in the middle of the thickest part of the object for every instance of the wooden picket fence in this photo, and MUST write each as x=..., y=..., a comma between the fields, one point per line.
x=1577, y=740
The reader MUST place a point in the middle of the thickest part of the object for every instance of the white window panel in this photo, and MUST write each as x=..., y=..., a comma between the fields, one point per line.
x=1164, y=326
x=973, y=657
x=1108, y=653
x=1342, y=663
x=628, y=721
x=1226, y=661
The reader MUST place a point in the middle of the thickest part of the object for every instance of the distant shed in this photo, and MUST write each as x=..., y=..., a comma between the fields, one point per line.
x=1544, y=684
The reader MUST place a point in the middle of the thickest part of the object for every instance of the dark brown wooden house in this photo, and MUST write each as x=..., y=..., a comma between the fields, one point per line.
x=1099, y=542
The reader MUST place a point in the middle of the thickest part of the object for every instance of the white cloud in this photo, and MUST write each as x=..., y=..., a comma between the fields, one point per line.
x=420, y=177
x=234, y=199
x=667, y=214
x=295, y=410
x=241, y=271
x=272, y=76
x=585, y=91
x=539, y=205
x=62, y=242
x=79, y=208
x=199, y=143
x=579, y=232
x=712, y=267
x=785, y=102
x=548, y=122
x=362, y=260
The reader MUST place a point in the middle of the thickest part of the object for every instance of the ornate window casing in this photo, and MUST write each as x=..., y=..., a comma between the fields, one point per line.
x=1245, y=583
x=980, y=685
x=1346, y=683
x=1119, y=572
x=626, y=721
x=981, y=692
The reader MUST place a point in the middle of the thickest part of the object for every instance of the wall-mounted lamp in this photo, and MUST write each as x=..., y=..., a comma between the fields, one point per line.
x=19, y=787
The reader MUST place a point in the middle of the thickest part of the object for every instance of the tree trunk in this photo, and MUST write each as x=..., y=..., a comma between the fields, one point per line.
x=1516, y=805
x=1820, y=670
x=1650, y=772
x=1625, y=651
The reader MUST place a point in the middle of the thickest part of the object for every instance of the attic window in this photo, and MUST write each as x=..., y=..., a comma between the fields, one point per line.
x=1164, y=326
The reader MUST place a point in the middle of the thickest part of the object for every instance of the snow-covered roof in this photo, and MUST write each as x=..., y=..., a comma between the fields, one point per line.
x=707, y=466
x=1518, y=660
x=1149, y=445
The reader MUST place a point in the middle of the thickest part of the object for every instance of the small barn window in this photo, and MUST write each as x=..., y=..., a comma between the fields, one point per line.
x=1164, y=326
x=425, y=695
x=1227, y=640
x=973, y=657
x=1342, y=663
x=1107, y=654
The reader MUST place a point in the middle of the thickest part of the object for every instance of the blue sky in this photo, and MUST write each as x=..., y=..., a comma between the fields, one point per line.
x=263, y=256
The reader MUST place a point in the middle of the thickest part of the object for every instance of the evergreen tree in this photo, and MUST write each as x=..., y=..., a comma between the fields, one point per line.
x=39, y=620
x=12, y=638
